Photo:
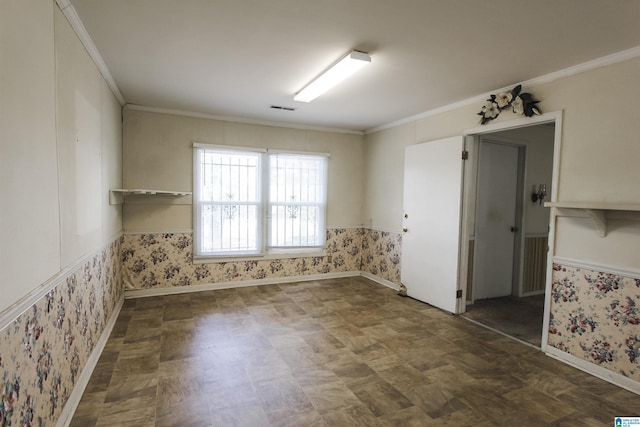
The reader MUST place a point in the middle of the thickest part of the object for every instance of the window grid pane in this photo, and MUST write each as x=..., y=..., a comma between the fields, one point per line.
x=225, y=227
x=304, y=229
x=229, y=176
x=297, y=200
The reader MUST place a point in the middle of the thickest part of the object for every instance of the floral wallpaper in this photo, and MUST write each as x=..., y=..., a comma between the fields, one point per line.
x=44, y=350
x=381, y=252
x=596, y=316
x=165, y=260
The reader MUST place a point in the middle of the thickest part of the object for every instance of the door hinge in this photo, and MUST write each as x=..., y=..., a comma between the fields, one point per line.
x=459, y=293
x=465, y=155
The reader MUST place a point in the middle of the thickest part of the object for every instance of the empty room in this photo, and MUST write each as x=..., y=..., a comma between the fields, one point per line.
x=319, y=213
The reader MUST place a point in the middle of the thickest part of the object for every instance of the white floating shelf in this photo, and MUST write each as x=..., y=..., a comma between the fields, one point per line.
x=598, y=212
x=116, y=195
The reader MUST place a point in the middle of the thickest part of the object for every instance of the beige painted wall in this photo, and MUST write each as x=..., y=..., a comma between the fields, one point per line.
x=158, y=155
x=597, y=162
x=53, y=185
x=384, y=176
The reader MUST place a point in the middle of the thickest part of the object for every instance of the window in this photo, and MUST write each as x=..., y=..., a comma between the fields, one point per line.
x=238, y=205
x=228, y=202
x=297, y=200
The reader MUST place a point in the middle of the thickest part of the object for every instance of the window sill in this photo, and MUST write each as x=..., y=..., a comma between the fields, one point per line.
x=274, y=254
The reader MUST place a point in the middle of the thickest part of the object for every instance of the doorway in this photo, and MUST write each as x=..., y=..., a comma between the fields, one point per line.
x=509, y=238
x=442, y=284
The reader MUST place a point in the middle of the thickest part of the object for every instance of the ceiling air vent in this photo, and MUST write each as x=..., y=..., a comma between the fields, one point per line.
x=283, y=108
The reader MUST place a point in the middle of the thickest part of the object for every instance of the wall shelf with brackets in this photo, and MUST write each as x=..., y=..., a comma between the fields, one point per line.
x=117, y=195
x=600, y=213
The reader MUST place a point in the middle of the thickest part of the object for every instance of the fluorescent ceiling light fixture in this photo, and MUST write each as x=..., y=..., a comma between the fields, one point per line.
x=334, y=75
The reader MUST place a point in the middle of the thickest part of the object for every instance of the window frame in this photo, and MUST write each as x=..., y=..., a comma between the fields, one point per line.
x=264, y=250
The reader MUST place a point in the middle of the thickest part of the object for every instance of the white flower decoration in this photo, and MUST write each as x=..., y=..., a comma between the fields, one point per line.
x=521, y=103
x=517, y=105
x=490, y=110
x=503, y=99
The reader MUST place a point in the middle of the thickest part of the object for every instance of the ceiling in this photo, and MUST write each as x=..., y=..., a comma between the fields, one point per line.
x=236, y=58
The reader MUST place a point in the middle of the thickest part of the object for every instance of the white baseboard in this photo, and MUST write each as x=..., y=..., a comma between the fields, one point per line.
x=379, y=280
x=140, y=293
x=593, y=369
x=533, y=293
x=76, y=394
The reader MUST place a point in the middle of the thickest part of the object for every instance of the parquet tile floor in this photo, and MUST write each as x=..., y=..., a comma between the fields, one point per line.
x=338, y=352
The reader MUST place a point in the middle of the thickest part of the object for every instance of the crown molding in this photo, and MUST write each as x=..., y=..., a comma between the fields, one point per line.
x=244, y=120
x=76, y=23
x=547, y=78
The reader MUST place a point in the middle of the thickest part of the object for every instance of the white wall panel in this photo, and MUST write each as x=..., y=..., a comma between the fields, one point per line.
x=29, y=232
x=79, y=104
x=578, y=239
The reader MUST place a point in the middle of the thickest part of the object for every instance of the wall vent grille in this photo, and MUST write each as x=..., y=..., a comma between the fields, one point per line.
x=283, y=108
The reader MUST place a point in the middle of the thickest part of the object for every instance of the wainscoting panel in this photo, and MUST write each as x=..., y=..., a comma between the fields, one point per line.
x=164, y=260
x=381, y=254
x=44, y=351
x=595, y=316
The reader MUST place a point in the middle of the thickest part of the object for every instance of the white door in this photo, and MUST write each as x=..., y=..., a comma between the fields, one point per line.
x=495, y=220
x=432, y=206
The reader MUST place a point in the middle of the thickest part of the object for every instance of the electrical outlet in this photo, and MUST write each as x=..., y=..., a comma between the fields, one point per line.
x=329, y=259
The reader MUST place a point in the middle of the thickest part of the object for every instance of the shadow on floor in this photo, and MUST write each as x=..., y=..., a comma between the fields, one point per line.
x=518, y=317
